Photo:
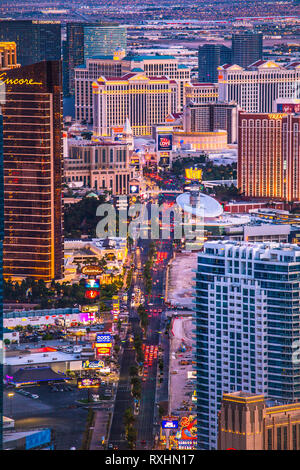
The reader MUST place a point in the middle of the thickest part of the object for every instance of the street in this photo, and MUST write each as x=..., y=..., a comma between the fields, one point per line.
x=148, y=411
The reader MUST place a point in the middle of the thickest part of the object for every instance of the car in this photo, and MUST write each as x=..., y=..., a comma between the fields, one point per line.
x=110, y=446
x=34, y=396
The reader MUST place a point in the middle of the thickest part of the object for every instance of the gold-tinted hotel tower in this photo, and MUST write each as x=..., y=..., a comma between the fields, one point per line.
x=32, y=147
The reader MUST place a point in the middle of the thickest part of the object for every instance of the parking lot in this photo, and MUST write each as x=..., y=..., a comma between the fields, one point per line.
x=55, y=409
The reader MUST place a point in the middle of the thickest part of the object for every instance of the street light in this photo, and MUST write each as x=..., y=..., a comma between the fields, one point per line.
x=10, y=395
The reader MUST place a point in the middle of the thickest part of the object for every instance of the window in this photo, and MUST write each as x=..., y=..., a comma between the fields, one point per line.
x=278, y=438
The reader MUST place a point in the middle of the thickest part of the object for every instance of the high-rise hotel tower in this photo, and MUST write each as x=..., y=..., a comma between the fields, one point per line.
x=268, y=155
x=247, y=308
x=145, y=101
x=256, y=87
x=32, y=149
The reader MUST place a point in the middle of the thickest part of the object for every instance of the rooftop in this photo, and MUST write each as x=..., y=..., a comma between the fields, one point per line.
x=258, y=246
x=40, y=358
x=140, y=58
x=36, y=374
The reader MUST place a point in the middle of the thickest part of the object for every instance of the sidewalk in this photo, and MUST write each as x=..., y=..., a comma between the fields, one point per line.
x=99, y=432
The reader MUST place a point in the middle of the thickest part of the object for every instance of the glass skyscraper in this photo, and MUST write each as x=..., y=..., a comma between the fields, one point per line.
x=36, y=40
x=247, y=308
x=73, y=55
x=85, y=41
x=32, y=149
x=247, y=48
x=210, y=57
x=103, y=40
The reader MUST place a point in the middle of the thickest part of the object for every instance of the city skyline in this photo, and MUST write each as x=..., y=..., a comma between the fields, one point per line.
x=150, y=228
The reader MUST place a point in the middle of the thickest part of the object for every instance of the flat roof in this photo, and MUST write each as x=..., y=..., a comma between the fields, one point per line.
x=41, y=358
x=35, y=374
x=16, y=435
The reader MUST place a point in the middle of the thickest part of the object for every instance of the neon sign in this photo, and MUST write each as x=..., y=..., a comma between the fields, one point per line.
x=193, y=174
x=17, y=81
x=276, y=115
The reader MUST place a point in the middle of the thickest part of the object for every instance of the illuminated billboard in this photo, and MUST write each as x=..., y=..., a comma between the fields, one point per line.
x=87, y=316
x=193, y=174
x=134, y=189
x=164, y=160
x=91, y=270
x=103, y=339
x=288, y=107
x=169, y=423
x=116, y=302
x=89, y=308
x=92, y=284
x=92, y=364
x=88, y=383
x=91, y=294
x=103, y=350
x=164, y=142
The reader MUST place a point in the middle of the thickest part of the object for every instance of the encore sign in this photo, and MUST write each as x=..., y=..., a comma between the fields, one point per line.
x=17, y=81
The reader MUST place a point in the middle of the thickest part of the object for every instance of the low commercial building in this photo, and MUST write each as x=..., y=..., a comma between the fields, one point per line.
x=83, y=252
x=101, y=165
x=28, y=440
x=259, y=232
x=58, y=361
x=246, y=422
x=23, y=317
x=216, y=140
x=11, y=336
x=210, y=117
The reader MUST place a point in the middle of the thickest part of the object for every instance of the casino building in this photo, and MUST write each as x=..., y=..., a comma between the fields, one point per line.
x=32, y=150
x=117, y=64
x=144, y=100
x=256, y=87
x=99, y=165
x=247, y=421
x=8, y=55
x=268, y=155
x=199, y=93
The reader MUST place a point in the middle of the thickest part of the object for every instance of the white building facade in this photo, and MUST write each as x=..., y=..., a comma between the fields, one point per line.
x=118, y=65
x=256, y=88
x=144, y=101
x=247, y=326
